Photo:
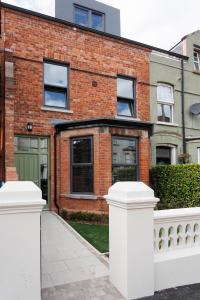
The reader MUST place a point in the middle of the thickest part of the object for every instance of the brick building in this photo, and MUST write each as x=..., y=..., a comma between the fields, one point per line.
x=74, y=109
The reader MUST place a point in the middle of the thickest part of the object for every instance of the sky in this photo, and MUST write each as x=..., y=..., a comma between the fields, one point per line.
x=161, y=23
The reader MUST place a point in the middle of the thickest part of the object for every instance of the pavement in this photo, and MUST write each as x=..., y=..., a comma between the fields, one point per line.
x=72, y=269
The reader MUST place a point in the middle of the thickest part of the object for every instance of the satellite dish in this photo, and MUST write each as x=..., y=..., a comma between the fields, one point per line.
x=195, y=109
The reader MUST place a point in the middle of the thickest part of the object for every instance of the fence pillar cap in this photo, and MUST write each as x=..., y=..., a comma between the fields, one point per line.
x=20, y=195
x=131, y=194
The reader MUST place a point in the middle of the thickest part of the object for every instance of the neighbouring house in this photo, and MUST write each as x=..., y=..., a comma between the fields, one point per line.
x=75, y=108
x=175, y=103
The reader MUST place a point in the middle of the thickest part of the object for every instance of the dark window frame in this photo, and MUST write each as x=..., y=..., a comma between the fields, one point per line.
x=90, y=13
x=72, y=164
x=56, y=88
x=130, y=101
x=170, y=154
x=136, y=139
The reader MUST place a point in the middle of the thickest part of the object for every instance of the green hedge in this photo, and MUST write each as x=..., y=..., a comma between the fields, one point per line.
x=177, y=186
x=87, y=217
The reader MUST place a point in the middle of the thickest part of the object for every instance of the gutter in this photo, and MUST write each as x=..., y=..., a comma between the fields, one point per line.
x=183, y=106
x=55, y=171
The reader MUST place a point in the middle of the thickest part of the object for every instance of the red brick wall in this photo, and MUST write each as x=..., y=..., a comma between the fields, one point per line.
x=91, y=57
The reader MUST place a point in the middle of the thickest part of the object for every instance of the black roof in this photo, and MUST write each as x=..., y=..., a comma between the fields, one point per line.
x=49, y=18
x=105, y=122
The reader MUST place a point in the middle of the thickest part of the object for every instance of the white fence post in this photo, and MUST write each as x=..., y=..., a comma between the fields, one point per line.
x=131, y=243
x=20, y=207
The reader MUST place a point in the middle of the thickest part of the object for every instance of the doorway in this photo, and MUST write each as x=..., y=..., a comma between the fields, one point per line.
x=32, y=162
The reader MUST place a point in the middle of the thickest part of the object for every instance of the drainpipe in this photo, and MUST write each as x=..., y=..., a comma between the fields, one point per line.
x=55, y=171
x=183, y=106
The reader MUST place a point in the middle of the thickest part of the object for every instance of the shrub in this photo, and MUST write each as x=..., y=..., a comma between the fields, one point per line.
x=84, y=217
x=177, y=186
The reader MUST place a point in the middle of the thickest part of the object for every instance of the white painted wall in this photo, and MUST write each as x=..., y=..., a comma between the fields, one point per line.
x=20, y=208
x=142, y=258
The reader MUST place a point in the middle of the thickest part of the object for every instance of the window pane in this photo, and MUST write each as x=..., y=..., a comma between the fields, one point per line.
x=97, y=21
x=163, y=155
x=82, y=151
x=164, y=113
x=124, y=173
x=82, y=179
x=124, y=151
x=164, y=93
x=55, y=75
x=196, y=66
x=34, y=145
x=124, y=108
x=125, y=88
x=43, y=145
x=55, y=98
x=23, y=144
x=81, y=16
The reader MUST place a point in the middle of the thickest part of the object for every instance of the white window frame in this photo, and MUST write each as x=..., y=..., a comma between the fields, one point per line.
x=198, y=155
x=169, y=102
x=198, y=59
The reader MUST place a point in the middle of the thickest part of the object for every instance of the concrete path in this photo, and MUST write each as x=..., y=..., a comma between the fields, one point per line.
x=71, y=269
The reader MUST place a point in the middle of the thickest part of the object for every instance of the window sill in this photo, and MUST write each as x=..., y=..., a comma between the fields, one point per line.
x=46, y=108
x=167, y=124
x=127, y=118
x=196, y=72
x=81, y=196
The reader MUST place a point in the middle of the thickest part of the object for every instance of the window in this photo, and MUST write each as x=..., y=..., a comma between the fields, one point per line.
x=55, y=85
x=165, y=155
x=82, y=165
x=125, y=159
x=89, y=18
x=197, y=60
x=125, y=97
x=165, y=102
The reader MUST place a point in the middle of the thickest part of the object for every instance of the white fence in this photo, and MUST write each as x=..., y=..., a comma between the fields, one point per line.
x=20, y=207
x=150, y=250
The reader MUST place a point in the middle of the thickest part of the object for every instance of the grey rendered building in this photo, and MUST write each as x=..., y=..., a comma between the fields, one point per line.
x=175, y=103
x=89, y=13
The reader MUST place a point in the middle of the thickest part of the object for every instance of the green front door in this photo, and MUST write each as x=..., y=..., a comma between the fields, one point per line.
x=32, y=162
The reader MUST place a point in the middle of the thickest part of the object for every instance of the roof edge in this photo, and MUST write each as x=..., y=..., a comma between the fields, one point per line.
x=119, y=38
x=104, y=122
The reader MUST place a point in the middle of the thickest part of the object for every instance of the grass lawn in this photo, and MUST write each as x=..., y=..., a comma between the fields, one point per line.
x=97, y=235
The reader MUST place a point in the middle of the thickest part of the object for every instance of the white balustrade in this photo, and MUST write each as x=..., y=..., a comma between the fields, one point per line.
x=176, y=229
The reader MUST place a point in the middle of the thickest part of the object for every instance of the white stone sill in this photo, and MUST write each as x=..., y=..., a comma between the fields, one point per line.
x=81, y=196
x=167, y=124
x=47, y=108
